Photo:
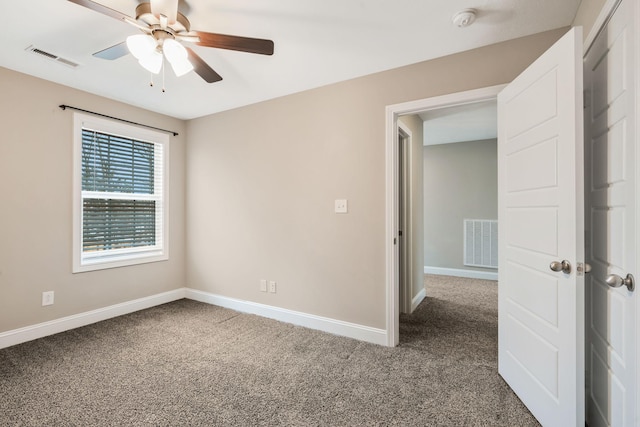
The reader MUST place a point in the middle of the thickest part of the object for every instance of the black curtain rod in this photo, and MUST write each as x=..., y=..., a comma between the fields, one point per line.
x=64, y=107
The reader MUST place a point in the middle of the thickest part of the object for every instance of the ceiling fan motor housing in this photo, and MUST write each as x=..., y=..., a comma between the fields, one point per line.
x=161, y=35
x=145, y=16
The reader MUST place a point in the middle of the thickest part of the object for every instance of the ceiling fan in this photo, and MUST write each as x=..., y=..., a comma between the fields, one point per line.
x=164, y=27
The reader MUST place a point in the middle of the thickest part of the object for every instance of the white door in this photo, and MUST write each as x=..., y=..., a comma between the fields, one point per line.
x=541, y=216
x=610, y=129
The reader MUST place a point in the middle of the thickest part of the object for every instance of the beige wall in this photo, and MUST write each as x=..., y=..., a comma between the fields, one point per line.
x=36, y=202
x=415, y=125
x=258, y=184
x=460, y=181
x=261, y=181
x=587, y=14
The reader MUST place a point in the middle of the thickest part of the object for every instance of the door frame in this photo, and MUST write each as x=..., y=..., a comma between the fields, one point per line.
x=392, y=112
x=406, y=242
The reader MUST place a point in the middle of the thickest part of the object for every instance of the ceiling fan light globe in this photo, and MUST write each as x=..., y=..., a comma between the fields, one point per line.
x=152, y=62
x=141, y=45
x=182, y=67
x=174, y=51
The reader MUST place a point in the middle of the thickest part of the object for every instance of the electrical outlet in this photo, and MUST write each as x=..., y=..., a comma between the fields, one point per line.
x=47, y=298
x=263, y=285
x=272, y=286
x=341, y=206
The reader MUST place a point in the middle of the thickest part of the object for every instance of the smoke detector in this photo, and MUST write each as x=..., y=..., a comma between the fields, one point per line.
x=464, y=18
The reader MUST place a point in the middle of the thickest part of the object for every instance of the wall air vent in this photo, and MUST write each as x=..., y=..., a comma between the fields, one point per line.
x=51, y=56
x=481, y=243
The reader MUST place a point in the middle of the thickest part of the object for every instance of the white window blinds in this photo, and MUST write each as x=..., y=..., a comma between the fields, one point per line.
x=110, y=165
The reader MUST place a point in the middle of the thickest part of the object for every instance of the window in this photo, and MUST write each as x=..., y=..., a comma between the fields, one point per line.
x=120, y=194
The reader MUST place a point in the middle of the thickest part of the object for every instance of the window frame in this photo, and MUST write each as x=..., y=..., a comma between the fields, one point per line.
x=83, y=262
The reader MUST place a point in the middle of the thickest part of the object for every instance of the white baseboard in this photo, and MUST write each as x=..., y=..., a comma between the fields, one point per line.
x=337, y=327
x=418, y=299
x=458, y=272
x=28, y=333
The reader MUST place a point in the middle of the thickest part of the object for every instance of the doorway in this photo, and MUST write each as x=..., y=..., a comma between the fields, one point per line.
x=394, y=112
x=461, y=190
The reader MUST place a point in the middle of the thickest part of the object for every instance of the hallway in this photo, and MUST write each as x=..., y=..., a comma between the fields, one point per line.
x=456, y=327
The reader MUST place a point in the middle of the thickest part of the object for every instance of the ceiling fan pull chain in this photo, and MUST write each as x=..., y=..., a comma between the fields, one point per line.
x=163, y=67
x=151, y=81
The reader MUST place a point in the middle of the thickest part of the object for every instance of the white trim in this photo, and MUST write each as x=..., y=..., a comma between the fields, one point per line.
x=28, y=333
x=603, y=17
x=636, y=77
x=337, y=327
x=418, y=299
x=458, y=272
x=391, y=197
x=392, y=309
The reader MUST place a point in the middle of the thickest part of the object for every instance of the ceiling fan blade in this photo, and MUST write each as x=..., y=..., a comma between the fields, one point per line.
x=114, y=52
x=97, y=7
x=102, y=9
x=243, y=44
x=202, y=69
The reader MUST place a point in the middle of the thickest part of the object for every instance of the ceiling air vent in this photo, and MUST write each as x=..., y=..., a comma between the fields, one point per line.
x=51, y=56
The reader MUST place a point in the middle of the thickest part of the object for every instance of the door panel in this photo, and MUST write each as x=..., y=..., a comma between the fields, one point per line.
x=541, y=207
x=610, y=133
x=543, y=238
x=533, y=167
x=540, y=92
x=534, y=291
x=609, y=146
x=536, y=356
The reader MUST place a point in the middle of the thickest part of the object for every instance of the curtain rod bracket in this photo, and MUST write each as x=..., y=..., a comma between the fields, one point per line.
x=64, y=107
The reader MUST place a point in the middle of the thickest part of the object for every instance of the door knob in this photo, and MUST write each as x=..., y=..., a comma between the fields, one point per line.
x=616, y=281
x=564, y=266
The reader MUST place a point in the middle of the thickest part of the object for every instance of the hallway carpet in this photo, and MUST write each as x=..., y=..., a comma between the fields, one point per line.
x=189, y=363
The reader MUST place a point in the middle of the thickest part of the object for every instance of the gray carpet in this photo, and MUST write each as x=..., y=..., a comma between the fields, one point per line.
x=188, y=363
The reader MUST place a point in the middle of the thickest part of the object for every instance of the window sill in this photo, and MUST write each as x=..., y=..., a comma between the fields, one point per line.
x=106, y=262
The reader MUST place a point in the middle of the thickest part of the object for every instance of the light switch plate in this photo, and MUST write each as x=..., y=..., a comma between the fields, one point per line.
x=341, y=206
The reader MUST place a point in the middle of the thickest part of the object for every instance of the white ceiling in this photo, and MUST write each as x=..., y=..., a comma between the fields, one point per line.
x=317, y=42
x=469, y=122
